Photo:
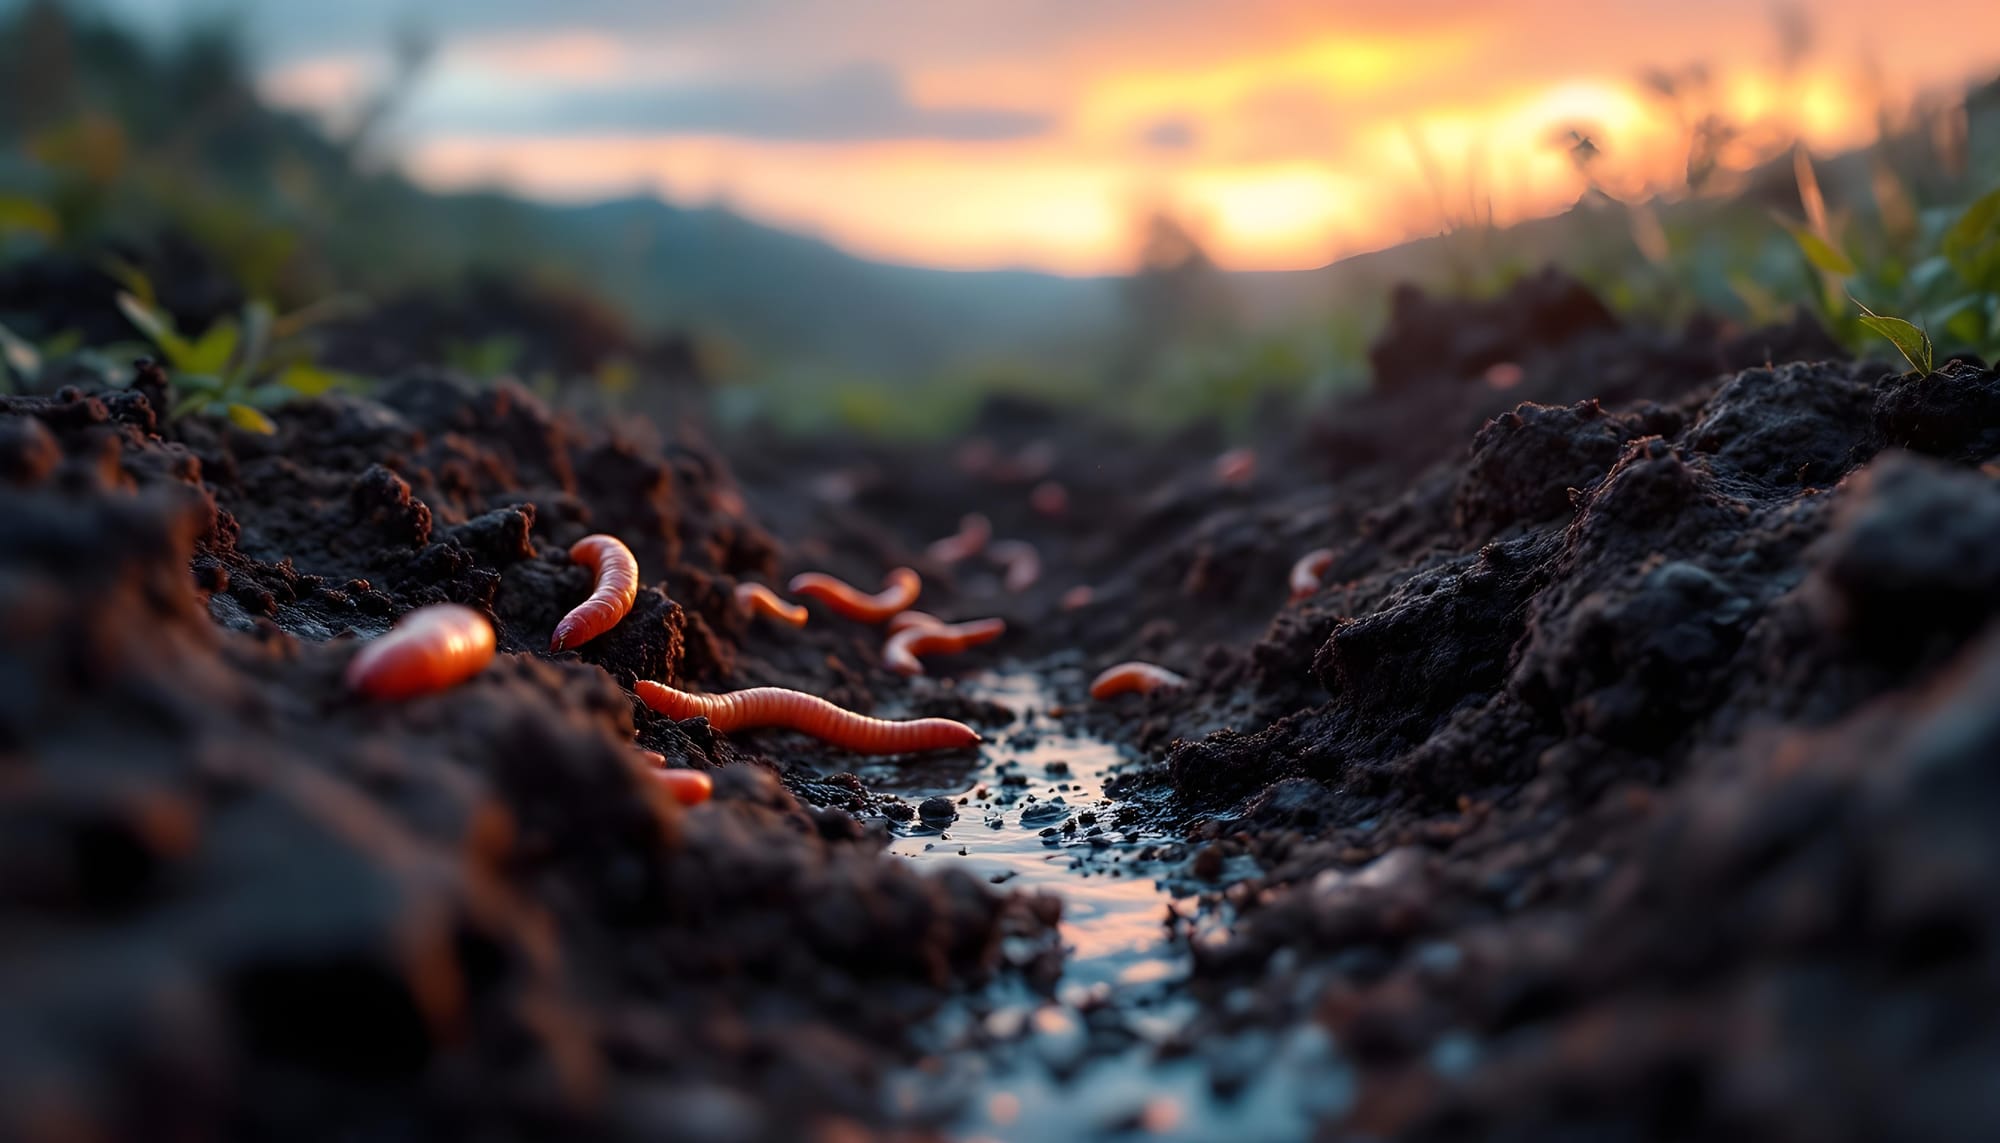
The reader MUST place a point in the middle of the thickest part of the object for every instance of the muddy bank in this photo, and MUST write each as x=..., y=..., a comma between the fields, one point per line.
x=1626, y=776
x=1620, y=778
x=240, y=900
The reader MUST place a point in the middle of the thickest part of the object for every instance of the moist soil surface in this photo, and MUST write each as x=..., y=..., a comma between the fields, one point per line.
x=1631, y=774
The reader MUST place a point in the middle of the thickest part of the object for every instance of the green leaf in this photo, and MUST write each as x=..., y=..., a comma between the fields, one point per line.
x=309, y=380
x=249, y=419
x=212, y=351
x=20, y=356
x=1973, y=242
x=1913, y=343
x=198, y=383
x=19, y=213
x=157, y=326
x=1824, y=255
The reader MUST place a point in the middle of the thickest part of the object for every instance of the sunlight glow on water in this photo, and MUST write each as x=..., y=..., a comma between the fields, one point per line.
x=1040, y=1077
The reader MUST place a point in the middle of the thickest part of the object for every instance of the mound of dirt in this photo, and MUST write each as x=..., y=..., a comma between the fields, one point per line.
x=241, y=901
x=1628, y=776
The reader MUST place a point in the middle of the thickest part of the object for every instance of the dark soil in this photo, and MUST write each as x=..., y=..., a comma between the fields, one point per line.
x=1630, y=778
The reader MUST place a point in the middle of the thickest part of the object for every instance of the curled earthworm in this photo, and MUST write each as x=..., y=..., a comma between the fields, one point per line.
x=1078, y=597
x=617, y=571
x=1049, y=498
x=429, y=649
x=688, y=787
x=1022, y=561
x=795, y=710
x=907, y=619
x=760, y=600
x=899, y=591
x=900, y=653
x=1145, y=678
x=1306, y=573
x=970, y=539
x=1236, y=466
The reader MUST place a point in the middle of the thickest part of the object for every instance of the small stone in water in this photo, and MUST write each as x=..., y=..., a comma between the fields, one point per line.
x=938, y=809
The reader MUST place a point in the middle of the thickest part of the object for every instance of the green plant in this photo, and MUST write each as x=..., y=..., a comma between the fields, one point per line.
x=1913, y=343
x=1944, y=272
x=235, y=368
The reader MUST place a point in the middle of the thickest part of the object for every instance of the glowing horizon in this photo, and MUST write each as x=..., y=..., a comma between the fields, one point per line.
x=1287, y=134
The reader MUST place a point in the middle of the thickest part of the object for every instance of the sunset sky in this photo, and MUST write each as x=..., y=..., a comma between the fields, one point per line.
x=982, y=133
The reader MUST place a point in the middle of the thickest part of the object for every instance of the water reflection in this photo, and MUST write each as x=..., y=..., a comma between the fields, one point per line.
x=1033, y=816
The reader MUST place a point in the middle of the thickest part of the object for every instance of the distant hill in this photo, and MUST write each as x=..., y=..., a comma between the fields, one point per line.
x=767, y=287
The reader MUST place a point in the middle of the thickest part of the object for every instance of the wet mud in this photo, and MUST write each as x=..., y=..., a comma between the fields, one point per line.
x=1629, y=775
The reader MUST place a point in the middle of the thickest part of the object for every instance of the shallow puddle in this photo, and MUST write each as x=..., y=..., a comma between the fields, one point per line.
x=1033, y=816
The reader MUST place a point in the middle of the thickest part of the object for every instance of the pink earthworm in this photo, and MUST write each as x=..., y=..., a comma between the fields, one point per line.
x=760, y=600
x=1022, y=561
x=970, y=539
x=429, y=649
x=900, y=653
x=907, y=619
x=1145, y=678
x=688, y=787
x=1307, y=572
x=1236, y=466
x=617, y=571
x=900, y=589
x=1079, y=597
x=796, y=710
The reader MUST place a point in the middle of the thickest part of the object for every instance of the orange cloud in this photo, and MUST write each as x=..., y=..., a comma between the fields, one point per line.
x=1291, y=130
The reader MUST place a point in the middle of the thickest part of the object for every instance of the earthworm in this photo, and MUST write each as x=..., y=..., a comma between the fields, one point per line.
x=428, y=649
x=617, y=571
x=1144, y=678
x=1078, y=597
x=1049, y=498
x=908, y=619
x=900, y=653
x=1023, y=563
x=1306, y=573
x=688, y=787
x=760, y=600
x=1236, y=466
x=900, y=590
x=970, y=539
x=795, y=710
